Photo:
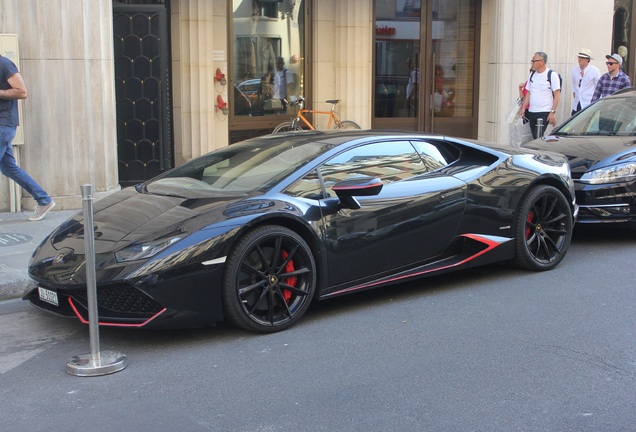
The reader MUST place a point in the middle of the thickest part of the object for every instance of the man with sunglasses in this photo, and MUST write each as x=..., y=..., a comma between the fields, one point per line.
x=613, y=80
x=544, y=92
x=584, y=79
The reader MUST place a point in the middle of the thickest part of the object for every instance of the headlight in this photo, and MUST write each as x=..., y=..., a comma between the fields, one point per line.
x=617, y=173
x=144, y=250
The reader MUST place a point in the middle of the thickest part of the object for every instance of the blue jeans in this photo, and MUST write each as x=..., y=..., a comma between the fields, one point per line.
x=9, y=168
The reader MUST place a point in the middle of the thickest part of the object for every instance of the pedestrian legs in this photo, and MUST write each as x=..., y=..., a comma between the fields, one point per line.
x=10, y=168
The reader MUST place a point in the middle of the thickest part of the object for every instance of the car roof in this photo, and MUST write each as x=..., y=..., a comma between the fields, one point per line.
x=336, y=137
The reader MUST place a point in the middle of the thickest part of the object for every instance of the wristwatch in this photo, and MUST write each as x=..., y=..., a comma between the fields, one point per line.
x=553, y=111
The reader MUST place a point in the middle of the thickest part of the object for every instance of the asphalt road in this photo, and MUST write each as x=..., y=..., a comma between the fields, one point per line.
x=490, y=349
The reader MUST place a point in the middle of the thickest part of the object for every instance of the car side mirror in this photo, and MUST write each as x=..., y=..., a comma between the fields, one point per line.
x=348, y=189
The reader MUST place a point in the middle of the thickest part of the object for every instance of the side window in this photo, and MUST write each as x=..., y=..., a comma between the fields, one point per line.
x=306, y=187
x=436, y=156
x=388, y=161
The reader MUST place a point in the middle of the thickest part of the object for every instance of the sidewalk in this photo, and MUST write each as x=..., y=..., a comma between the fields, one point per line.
x=18, y=239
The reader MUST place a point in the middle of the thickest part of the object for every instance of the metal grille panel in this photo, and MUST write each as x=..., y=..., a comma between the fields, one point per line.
x=142, y=92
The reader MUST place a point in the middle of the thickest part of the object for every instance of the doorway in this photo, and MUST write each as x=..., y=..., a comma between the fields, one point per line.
x=142, y=91
x=426, y=70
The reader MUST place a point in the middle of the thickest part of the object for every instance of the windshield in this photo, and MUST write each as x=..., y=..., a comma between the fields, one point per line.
x=608, y=116
x=238, y=169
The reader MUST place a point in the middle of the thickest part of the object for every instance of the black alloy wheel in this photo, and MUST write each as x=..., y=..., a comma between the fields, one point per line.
x=269, y=280
x=543, y=229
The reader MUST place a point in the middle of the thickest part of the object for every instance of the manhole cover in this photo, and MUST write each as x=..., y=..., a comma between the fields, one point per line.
x=14, y=239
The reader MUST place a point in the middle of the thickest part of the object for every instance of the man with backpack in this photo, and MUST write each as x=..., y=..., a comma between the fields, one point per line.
x=544, y=93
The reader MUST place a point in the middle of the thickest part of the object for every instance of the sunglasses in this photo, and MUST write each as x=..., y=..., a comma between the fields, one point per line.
x=535, y=60
x=611, y=63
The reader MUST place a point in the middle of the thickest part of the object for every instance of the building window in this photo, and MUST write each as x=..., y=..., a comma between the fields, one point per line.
x=268, y=59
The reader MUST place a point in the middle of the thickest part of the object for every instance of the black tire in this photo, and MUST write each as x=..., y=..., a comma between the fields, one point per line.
x=543, y=229
x=269, y=280
x=348, y=124
x=286, y=127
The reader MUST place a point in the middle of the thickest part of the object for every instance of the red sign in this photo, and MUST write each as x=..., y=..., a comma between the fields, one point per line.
x=385, y=31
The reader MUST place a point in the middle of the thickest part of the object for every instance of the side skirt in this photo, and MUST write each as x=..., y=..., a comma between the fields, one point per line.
x=476, y=250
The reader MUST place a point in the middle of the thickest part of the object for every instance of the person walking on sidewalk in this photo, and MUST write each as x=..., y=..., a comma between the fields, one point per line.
x=544, y=93
x=12, y=88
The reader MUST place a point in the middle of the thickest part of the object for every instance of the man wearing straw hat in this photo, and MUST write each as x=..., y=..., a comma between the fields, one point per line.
x=584, y=79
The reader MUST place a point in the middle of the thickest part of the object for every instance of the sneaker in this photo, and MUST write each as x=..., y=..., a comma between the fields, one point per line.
x=41, y=211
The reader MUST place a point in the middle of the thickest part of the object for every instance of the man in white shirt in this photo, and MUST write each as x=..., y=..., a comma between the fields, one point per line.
x=544, y=93
x=283, y=80
x=584, y=79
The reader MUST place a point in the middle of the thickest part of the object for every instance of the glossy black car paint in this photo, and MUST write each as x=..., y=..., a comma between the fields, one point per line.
x=598, y=203
x=610, y=202
x=456, y=217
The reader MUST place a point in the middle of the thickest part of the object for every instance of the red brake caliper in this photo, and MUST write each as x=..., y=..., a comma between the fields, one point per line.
x=528, y=222
x=292, y=280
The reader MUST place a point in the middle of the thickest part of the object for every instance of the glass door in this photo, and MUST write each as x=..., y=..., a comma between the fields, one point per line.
x=426, y=70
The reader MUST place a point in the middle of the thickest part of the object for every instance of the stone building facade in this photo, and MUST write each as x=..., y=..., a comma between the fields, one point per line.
x=82, y=124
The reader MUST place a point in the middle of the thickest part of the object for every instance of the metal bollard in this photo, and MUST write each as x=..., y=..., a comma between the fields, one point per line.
x=96, y=363
x=539, y=128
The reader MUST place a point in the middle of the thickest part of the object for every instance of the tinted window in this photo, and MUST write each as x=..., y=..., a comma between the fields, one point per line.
x=436, y=155
x=388, y=161
x=306, y=187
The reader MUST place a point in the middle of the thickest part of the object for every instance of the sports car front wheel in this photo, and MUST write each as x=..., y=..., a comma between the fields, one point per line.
x=543, y=228
x=269, y=280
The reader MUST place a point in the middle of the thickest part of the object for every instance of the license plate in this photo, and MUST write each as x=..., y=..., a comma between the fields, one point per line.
x=48, y=296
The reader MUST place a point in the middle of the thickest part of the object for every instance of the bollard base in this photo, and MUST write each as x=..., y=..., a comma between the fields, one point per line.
x=85, y=365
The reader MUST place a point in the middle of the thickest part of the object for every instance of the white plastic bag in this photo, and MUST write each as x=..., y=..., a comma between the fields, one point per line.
x=513, y=112
x=520, y=133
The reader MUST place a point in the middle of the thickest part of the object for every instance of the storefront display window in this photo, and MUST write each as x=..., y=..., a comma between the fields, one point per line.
x=268, y=56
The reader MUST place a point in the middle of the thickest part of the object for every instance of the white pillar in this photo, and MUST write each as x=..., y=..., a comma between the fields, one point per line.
x=512, y=31
x=199, y=41
x=342, y=46
x=66, y=51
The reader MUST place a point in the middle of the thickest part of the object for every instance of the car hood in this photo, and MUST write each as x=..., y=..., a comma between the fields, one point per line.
x=127, y=216
x=588, y=152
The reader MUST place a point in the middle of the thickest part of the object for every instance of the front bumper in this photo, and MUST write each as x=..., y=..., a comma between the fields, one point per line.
x=184, y=297
x=606, y=203
x=118, y=305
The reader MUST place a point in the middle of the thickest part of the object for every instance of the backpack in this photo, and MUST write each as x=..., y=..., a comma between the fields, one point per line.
x=550, y=79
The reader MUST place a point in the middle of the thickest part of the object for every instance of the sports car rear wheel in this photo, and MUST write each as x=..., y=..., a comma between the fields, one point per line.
x=269, y=280
x=543, y=229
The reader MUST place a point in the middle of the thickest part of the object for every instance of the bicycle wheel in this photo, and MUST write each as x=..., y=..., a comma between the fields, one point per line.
x=286, y=127
x=348, y=124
